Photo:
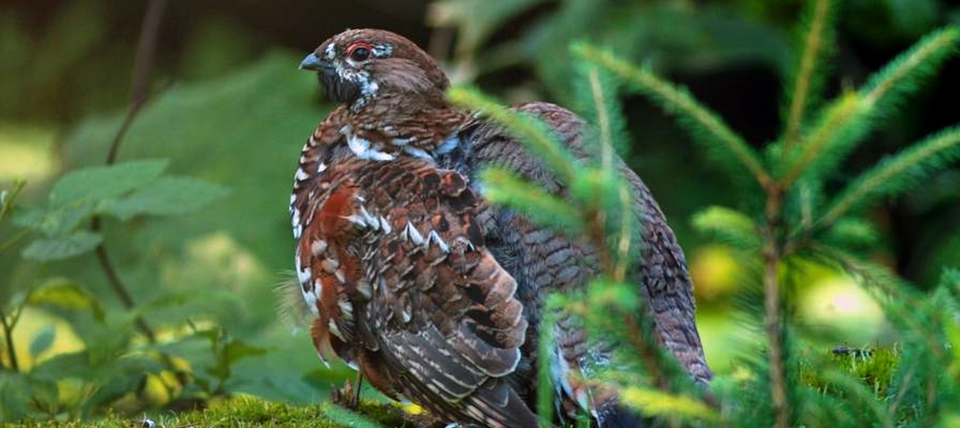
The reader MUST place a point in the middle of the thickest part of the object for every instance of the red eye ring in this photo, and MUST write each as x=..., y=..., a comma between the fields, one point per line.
x=359, y=51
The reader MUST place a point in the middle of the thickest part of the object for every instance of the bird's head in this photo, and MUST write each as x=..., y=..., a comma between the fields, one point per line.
x=358, y=66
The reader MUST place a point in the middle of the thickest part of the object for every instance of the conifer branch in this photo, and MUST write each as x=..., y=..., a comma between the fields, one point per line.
x=505, y=188
x=658, y=402
x=729, y=226
x=830, y=127
x=903, y=74
x=854, y=115
x=816, y=41
x=530, y=130
x=717, y=136
x=897, y=174
x=626, y=231
x=603, y=120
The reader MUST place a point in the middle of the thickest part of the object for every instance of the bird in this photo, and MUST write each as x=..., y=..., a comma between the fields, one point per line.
x=433, y=294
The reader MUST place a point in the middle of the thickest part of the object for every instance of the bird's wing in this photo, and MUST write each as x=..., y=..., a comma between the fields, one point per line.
x=442, y=315
x=546, y=260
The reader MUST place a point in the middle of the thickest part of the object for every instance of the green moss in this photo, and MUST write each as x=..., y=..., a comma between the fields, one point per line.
x=874, y=367
x=247, y=411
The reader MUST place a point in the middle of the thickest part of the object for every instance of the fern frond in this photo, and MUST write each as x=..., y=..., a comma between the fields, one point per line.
x=708, y=129
x=531, y=131
x=850, y=118
x=897, y=174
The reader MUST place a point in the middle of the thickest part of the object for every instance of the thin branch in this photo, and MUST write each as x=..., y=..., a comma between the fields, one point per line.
x=8, y=336
x=146, y=50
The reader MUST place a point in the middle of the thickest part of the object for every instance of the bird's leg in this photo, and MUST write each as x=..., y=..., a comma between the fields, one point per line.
x=349, y=395
x=355, y=397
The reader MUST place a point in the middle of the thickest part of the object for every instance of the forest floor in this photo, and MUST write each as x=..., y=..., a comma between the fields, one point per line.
x=243, y=412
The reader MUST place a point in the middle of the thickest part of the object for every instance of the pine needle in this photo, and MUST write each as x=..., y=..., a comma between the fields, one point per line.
x=531, y=131
x=808, y=80
x=897, y=174
x=850, y=118
x=708, y=128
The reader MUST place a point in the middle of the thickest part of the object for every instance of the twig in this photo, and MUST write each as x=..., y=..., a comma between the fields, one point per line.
x=146, y=49
x=8, y=336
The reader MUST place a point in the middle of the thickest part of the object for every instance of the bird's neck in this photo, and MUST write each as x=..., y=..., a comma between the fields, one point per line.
x=400, y=124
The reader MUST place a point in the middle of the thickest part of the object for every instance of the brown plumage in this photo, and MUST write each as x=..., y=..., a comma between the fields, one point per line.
x=418, y=283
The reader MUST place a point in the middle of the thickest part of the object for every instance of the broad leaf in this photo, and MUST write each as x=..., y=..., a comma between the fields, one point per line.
x=102, y=182
x=57, y=248
x=65, y=294
x=42, y=340
x=166, y=196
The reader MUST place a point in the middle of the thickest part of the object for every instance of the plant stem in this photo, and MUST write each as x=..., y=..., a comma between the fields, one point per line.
x=8, y=336
x=772, y=253
x=138, y=97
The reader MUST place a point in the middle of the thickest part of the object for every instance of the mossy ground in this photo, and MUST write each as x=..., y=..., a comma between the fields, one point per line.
x=242, y=412
x=873, y=366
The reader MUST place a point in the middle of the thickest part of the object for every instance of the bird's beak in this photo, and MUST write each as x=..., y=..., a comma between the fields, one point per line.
x=312, y=62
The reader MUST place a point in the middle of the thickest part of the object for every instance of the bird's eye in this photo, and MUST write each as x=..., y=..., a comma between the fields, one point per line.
x=359, y=53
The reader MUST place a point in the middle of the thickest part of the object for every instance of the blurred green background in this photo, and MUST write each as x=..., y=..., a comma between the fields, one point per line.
x=229, y=106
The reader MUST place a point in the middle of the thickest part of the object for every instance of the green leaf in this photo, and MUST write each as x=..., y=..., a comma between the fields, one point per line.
x=102, y=182
x=237, y=350
x=15, y=396
x=166, y=196
x=126, y=374
x=65, y=294
x=42, y=340
x=58, y=248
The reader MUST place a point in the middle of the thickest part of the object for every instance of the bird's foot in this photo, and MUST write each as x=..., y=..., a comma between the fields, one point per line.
x=347, y=397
